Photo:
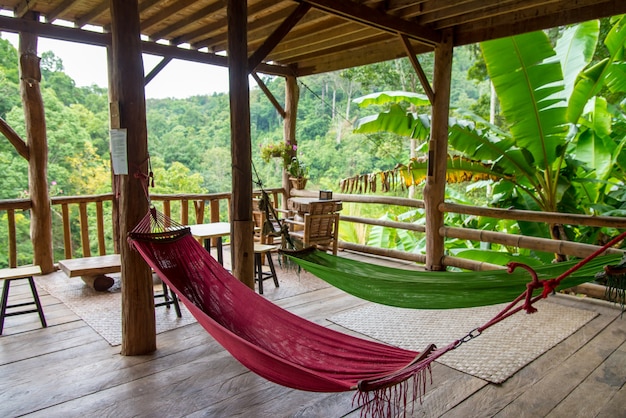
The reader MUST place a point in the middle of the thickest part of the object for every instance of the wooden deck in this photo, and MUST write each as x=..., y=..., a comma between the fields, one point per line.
x=68, y=370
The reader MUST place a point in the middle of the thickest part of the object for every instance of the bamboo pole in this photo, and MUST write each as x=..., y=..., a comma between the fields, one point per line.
x=37, y=142
x=382, y=200
x=383, y=252
x=434, y=191
x=138, y=322
x=535, y=216
x=520, y=241
x=466, y=264
x=242, y=231
x=385, y=223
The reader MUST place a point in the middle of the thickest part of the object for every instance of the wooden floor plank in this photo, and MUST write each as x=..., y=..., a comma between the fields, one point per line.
x=492, y=399
x=590, y=396
x=616, y=406
x=69, y=370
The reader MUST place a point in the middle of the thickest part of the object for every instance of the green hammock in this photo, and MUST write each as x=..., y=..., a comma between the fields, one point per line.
x=436, y=290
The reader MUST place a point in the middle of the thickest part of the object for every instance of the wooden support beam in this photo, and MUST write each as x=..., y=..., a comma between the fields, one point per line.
x=15, y=139
x=410, y=52
x=242, y=231
x=269, y=94
x=292, y=95
x=276, y=36
x=156, y=70
x=138, y=321
x=104, y=39
x=380, y=20
x=434, y=191
x=37, y=143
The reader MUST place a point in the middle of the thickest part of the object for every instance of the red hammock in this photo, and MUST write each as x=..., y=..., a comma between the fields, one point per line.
x=271, y=341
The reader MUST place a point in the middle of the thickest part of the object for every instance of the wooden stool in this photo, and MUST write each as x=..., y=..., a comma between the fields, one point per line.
x=169, y=298
x=20, y=273
x=261, y=250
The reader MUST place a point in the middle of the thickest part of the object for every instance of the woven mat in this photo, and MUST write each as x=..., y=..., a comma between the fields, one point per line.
x=494, y=356
x=102, y=310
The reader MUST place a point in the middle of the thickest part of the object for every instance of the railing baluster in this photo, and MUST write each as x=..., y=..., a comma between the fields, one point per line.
x=100, y=225
x=184, y=211
x=12, y=238
x=67, y=231
x=84, y=229
x=167, y=208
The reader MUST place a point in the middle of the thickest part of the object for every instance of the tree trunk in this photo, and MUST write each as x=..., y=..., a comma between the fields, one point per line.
x=41, y=217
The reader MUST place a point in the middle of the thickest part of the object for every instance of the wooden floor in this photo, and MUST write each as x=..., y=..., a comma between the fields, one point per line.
x=68, y=370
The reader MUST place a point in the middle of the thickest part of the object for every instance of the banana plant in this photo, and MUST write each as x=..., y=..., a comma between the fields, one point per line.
x=563, y=149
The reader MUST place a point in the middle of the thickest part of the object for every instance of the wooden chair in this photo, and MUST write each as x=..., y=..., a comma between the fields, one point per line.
x=320, y=230
x=260, y=218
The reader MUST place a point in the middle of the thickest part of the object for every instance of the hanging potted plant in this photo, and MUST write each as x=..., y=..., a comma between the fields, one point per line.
x=280, y=150
x=298, y=173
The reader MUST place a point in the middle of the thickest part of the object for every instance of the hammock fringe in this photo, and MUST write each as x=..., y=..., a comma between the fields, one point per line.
x=385, y=397
x=616, y=284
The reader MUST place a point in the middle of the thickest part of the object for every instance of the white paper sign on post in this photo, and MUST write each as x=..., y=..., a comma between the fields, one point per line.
x=119, y=156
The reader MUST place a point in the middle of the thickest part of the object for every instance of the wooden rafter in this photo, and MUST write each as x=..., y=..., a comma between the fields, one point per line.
x=372, y=17
x=276, y=36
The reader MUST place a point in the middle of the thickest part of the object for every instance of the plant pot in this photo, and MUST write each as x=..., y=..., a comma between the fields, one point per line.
x=298, y=183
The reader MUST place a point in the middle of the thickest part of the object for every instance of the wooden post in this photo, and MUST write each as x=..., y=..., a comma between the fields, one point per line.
x=241, y=237
x=114, y=123
x=434, y=191
x=37, y=142
x=138, y=322
x=292, y=95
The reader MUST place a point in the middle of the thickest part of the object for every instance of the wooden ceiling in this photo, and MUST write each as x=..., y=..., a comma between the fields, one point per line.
x=291, y=37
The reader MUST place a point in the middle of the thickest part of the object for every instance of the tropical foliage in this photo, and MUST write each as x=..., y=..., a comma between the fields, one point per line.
x=560, y=147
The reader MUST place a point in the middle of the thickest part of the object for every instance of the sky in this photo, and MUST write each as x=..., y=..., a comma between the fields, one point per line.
x=87, y=65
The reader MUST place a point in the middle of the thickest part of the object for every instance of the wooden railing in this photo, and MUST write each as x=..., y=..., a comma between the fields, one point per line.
x=82, y=225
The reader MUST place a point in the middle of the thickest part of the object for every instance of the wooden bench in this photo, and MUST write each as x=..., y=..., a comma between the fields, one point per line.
x=20, y=273
x=93, y=271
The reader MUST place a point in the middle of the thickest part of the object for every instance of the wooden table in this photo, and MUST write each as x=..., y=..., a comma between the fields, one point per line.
x=302, y=205
x=212, y=230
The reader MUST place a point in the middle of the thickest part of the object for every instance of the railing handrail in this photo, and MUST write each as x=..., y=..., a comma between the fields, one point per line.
x=214, y=199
